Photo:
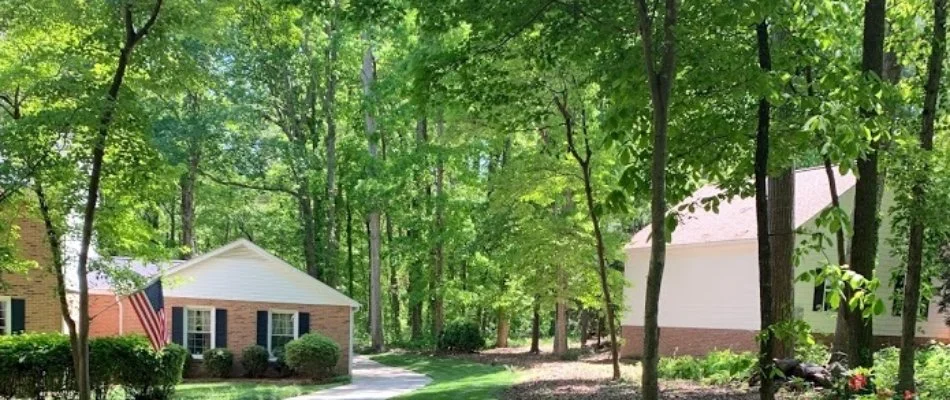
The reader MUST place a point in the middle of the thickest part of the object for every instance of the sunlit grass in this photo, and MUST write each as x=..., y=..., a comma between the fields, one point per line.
x=452, y=379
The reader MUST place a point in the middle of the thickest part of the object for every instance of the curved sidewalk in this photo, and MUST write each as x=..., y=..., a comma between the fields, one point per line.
x=372, y=381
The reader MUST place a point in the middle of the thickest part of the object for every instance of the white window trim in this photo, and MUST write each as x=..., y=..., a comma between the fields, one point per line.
x=270, y=327
x=7, y=314
x=184, y=326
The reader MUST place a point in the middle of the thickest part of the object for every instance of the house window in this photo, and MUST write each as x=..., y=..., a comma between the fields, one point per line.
x=199, y=330
x=4, y=315
x=283, y=329
x=820, y=297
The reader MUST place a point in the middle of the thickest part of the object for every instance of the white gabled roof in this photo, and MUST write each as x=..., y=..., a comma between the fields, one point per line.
x=243, y=271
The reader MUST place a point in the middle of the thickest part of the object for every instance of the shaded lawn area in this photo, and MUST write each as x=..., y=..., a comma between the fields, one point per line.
x=452, y=378
x=250, y=389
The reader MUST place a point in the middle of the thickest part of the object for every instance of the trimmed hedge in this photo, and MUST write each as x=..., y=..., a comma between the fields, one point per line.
x=217, y=362
x=35, y=364
x=255, y=360
x=462, y=337
x=312, y=355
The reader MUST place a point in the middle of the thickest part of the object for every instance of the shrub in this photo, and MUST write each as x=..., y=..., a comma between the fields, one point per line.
x=254, y=360
x=312, y=355
x=217, y=362
x=718, y=367
x=36, y=364
x=280, y=363
x=932, y=365
x=154, y=375
x=462, y=337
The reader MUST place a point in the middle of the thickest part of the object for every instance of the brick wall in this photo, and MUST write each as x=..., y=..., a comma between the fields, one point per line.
x=688, y=341
x=699, y=341
x=330, y=321
x=38, y=286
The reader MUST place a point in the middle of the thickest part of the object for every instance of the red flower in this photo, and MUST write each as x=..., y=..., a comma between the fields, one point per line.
x=909, y=395
x=857, y=382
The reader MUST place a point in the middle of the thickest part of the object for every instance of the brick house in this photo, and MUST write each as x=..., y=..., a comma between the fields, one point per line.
x=232, y=297
x=709, y=297
x=28, y=302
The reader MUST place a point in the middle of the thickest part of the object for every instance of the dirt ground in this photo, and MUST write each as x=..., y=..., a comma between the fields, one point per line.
x=544, y=376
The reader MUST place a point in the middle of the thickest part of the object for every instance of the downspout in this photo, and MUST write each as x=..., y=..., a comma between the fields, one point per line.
x=118, y=300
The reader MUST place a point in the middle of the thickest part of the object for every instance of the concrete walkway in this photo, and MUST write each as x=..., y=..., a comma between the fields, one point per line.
x=372, y=381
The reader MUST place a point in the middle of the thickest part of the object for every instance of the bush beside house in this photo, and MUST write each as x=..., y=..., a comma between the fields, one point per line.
x=34, y=364
x=312, y=355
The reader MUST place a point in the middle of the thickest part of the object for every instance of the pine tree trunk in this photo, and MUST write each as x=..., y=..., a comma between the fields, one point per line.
x=368, y=75
x=762, y=196
x=912, y=278
x=781, y=209
x=187, y=184
x=864, y=242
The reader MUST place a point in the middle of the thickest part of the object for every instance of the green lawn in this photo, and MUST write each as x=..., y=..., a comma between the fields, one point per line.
x=452, y=379
x=248, y=390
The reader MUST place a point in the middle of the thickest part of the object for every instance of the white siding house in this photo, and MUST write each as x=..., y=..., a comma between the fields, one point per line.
x=709, y=296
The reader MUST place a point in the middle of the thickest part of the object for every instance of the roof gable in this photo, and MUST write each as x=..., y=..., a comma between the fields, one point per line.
x=243, y=271
x=736, y=220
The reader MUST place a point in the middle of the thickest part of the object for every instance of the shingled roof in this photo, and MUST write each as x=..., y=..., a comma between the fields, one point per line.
x=735, y=220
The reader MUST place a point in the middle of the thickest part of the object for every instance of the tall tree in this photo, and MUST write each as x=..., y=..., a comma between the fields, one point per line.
x=864, y=241
x=660, y=76
x=583, y=157
x=915, y=250
x=368, y=77
x=762, y=198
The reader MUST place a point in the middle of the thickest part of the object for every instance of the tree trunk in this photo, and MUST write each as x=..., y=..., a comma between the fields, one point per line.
x=766, y=349
x=329, y=102
x=393, y=283
x=438, y=264
x=305, y=205
x=864, y=241
x=840, y=341
x=584, y=327
x=584, y=162
x=535, y=326
x=660, y=78
x=349, y=248
x=81, y=343
x=560, y=326
x=912, y=279
x=501, y=340
x=781, y=209
x=187, y=184
x=368, y=75
x=416, y=285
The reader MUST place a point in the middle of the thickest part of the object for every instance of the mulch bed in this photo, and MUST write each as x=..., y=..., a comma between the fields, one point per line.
x=545, y=376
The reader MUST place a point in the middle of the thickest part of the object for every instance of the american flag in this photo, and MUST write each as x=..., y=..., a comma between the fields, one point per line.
x=149, y=305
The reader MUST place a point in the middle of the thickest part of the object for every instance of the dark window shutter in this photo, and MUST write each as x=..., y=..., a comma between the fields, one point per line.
x=18, y=317
x=262, y=328
x=178, y=325
x=818, y=299
x=220, y=328
x=303, y=326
